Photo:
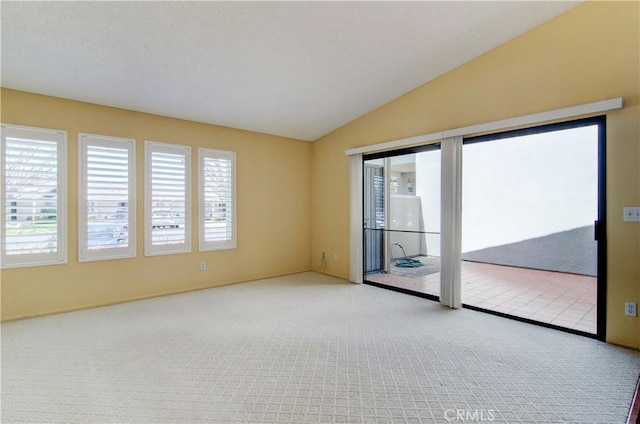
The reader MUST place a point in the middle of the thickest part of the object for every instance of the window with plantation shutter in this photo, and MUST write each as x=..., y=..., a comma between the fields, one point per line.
x=217, y=189
x=33, y=184
x=106, y=198
x=167, y=198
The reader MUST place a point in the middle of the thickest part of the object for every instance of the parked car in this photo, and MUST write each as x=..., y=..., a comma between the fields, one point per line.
x=163, y=218
x=106, y=235
x=121, y=214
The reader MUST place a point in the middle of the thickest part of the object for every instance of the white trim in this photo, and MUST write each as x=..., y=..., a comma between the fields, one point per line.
x=451, y=222
x=396, y=144
x=519, y=121
x=356, y=273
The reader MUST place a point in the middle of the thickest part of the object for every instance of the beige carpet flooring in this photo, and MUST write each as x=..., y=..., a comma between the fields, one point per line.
x=305, y=348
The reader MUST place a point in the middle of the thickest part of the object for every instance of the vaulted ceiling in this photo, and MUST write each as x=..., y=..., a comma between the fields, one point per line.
x=295, y=69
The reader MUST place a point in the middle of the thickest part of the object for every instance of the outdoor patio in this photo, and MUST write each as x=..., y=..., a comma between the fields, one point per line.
x=561, y=299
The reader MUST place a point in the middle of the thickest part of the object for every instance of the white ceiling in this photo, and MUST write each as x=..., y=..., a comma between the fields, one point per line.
x=295, y=69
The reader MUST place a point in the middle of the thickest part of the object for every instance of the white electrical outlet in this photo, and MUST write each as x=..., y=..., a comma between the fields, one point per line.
x=203, y=266
x=631, y=309
x=335, y=256
x=631, y=213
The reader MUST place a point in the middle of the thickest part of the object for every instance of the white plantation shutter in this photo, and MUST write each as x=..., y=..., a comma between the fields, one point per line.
x=167, y=198
x=106, y=215
x=217, y=189
x=33, y=184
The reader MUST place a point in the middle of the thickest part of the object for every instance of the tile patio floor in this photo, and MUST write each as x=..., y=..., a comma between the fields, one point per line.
x=565, y=300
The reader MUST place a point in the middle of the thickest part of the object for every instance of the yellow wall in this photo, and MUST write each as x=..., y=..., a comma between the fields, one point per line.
x=273, y=179
x=289, y=213
x=587, y=54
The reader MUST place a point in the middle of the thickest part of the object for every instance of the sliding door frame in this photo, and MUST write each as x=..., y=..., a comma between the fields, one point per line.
x=576, y=112
x=600, y=233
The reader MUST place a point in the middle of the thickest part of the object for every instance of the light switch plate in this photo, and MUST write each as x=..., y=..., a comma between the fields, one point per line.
x=631, y=213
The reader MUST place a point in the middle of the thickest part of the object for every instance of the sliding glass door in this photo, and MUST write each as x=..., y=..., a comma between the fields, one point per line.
x=531, y=206
x=516, y=227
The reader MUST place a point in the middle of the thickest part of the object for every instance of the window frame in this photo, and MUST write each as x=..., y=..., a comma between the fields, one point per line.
x=204, y=245
x=84, y=254
x=37, y=259
x=173, y=248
